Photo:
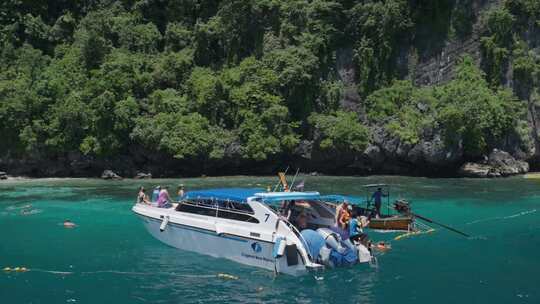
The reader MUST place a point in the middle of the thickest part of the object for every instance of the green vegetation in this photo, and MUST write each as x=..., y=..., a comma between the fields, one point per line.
x=192, y=79
x=503, y=42
x=465, y=109
x=340, y=130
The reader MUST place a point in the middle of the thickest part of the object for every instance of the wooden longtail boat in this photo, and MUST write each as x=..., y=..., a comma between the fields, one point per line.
x=398, y=215
x=401, y=219
x=392, y=223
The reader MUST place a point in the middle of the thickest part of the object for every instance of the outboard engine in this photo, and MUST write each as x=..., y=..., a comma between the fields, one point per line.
x=328, y=249
x=402, y=206
x=364, y=255
x=332, y=239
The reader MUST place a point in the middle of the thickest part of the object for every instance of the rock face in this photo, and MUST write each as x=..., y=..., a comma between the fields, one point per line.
x=142, y=175
x=3, y=175
x=499, y=163
x=109, y=174
x=505, y=164
x=350, y=100
x=474, y=170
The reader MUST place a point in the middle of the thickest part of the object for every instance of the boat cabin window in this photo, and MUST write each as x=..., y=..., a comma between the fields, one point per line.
x=196, y=209
x=237, y=216
x=235, y=206
x=220, y=208
x=307, y=214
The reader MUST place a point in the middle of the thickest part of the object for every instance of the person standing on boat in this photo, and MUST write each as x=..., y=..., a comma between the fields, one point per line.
x=164, y=199
x=155, y=193
x=377, y=198
x=343, y=216
x=338, y=213
x=181, y=191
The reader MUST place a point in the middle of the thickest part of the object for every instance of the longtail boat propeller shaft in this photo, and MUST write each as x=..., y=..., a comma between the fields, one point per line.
x=440, y=224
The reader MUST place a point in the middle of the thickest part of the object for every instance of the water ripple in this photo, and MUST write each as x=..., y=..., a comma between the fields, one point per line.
x=519, y=214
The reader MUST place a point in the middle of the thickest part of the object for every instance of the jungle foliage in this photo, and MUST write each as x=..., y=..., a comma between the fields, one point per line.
x=202, y=78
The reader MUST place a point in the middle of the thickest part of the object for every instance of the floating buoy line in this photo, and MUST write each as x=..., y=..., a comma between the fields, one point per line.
x=16, y=269
x=422, y=229
x=409, y=234
x=224, y=276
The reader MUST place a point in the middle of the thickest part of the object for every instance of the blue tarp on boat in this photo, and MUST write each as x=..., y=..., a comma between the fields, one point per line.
x=313, y=242
x=233, y=194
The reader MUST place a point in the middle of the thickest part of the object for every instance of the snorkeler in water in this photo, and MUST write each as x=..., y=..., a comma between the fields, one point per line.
x=69, y=224
x=26, y=211
x=382, y=246
x=29, y=211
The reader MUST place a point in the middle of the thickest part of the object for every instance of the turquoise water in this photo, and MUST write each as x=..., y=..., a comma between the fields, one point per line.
x=110, y=257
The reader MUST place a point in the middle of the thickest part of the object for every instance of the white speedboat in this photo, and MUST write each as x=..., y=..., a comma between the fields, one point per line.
x=244, y=225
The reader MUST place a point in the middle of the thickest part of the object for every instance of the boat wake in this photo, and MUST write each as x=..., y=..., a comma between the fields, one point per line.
x=31, y=211
x=18, y=207
x=53, y=271
x=477, y=238
x=522, y=213
x=386, y=231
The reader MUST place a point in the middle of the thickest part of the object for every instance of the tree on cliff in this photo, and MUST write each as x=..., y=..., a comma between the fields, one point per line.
x=248, y=79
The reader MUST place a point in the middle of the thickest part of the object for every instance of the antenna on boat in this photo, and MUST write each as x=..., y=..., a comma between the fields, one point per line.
x=294, y=178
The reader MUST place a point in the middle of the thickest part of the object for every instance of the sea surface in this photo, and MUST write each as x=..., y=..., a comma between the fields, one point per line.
x=110, y=258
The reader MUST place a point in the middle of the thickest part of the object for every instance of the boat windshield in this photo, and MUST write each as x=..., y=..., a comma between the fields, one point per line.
x=304, y=210
x=223, y=204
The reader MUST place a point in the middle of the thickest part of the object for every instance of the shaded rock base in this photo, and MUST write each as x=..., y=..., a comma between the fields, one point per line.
x=498, y=164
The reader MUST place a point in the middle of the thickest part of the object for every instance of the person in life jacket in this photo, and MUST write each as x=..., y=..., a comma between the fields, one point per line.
x=356, y=228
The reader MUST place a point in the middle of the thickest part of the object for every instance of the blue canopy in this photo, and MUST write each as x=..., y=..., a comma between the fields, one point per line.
x=282, y=196
x=233, y=194
x=342, y=198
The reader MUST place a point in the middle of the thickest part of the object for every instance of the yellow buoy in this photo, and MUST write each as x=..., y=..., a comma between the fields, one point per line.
x=227, y=276
x=23, y=269
x=397, y=238
x=17, y=268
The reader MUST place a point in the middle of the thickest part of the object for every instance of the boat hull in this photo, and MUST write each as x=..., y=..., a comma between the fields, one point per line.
x=243, y=250
x=392, y=223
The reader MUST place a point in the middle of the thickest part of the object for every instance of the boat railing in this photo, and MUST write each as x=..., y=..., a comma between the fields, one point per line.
x=294, y=230
x=298, y=235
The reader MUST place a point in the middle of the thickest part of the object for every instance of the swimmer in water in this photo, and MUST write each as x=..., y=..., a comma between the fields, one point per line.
x=29, y=211
x=382, y=246
x=19, y=207
x=69, y=224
